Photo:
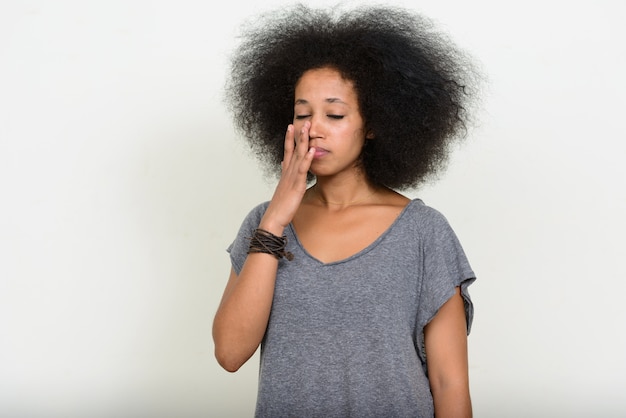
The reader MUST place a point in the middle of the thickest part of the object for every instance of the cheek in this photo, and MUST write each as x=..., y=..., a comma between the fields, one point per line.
x=358, y=138
x=297, y=124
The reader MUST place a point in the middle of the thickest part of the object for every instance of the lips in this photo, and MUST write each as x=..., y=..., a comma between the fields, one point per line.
x=320, y=152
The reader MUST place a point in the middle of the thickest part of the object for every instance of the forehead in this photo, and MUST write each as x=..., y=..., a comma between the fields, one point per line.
x=325, y=84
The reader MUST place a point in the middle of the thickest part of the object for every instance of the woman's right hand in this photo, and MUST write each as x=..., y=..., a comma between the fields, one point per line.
x=292, y=185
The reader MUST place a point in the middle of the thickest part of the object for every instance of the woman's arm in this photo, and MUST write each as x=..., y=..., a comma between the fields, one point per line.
x=241, y=318
x=446, y=357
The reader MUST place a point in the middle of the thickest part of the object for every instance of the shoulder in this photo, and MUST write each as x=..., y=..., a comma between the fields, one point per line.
x=423, y=215
x=239, y=246
x=252, y=218
x=261, y=207
x=426, y=223
x=257, y=212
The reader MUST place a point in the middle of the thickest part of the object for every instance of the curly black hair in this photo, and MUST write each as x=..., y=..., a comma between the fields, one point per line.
x=414, y=85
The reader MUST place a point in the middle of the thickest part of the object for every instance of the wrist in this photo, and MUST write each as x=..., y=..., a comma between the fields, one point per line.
x=272, y=226
x=263, y=241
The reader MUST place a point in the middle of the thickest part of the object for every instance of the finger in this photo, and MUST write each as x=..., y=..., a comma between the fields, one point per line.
x=302, y=145
x=304, y=151
x=289, y=146
x=306, y=161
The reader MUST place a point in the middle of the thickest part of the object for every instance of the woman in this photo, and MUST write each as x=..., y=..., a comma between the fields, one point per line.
x=356, y=293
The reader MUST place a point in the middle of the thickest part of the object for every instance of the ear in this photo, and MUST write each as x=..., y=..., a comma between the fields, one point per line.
x=369, y=135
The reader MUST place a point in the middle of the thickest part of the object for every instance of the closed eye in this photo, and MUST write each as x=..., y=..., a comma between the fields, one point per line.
x=301, y=117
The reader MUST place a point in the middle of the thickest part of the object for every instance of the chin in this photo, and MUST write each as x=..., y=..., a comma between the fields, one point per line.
x=319, y=172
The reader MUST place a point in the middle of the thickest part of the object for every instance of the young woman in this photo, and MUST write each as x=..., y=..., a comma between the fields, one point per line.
x=357, y=294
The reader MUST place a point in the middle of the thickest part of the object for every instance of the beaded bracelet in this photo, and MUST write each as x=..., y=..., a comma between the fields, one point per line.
x=265, y=242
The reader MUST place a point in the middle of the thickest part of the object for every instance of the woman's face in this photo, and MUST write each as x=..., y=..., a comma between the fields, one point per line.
x=330, y=103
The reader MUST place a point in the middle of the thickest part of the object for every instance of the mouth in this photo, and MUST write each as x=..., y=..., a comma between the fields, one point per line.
x=320, y=152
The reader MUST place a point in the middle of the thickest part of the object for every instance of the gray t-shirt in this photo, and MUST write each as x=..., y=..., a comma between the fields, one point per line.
x=345, y=339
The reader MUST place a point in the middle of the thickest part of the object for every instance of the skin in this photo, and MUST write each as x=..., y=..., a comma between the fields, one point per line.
x=339, y=216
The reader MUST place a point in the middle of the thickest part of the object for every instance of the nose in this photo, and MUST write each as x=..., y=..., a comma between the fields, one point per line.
x=316, y=127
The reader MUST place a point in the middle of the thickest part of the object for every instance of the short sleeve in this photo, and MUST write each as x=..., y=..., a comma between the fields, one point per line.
x=445, y=267
x=238, y=249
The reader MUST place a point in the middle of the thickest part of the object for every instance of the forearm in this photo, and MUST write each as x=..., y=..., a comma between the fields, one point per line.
x=446, y=356
x=241, y=319
x=452, y=401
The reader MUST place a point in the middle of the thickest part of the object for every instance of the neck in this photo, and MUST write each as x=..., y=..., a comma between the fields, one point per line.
x=341, y=195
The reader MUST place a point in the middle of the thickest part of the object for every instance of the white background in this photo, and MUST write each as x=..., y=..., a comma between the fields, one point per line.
x=122, y=182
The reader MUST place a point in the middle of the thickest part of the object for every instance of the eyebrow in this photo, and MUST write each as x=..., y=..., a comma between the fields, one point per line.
x=329, y=100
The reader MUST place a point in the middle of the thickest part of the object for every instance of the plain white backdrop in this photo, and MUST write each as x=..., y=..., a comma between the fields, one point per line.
x=122, y=182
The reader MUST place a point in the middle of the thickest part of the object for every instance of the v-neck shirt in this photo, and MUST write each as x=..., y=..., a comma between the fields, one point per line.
x=346, y=338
